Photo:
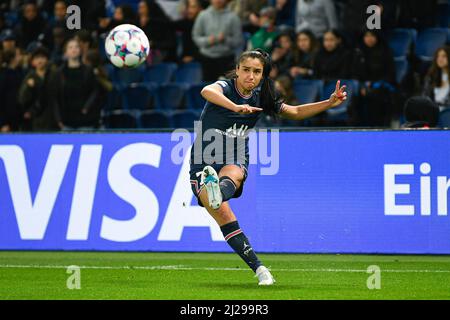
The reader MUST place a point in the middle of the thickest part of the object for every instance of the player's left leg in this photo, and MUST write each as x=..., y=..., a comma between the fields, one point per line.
x=231, y=179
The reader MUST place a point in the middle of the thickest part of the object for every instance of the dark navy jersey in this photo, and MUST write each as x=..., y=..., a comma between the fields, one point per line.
x=219, y=124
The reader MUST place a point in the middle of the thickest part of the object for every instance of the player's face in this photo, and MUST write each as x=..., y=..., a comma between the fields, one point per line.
x=249, y=73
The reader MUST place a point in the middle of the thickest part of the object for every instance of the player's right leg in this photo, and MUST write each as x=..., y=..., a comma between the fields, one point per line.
x=211, y=182
x=222, y=186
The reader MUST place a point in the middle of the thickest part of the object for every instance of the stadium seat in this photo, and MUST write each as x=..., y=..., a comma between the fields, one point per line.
x=400, y=41
x=189, y=73
x=137, y=96
x=184, y=119
x=154, y=119
x=444, y=118
x=101, y=48
x=401, y=69
x=125, y=77
x=307, y=91
x=161, y=73
x=113, y=101
x=11, y=18
x=194, y=100
x=428, y=41
x=169, y=96
x=120, y=119
x=339, y=113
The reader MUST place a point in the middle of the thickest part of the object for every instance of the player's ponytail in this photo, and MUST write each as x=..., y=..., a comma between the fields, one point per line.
x=270, y=97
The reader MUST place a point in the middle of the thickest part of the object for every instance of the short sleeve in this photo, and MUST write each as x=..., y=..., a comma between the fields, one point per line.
x=279, y=106
x=226, y=86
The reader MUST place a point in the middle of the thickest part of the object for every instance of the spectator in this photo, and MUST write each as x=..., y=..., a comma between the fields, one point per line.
x=31, y=26
x=353, y=19
x=160, y=31
x=285, y=12
x=284, y=85
x=333, y=59
x=248, y=11
x=92, y=13
x=86, y=42
x=375, y=68
x=316, y=15
x=420, y=112
x=11, y=76
x=104, y=84
x=190, y=51
x=36, y=91
x=265, y=36
x=437, y=79
x=123, y=14
x=59, y=21
x=59, y=37
x=9, y=40
x=217, y=32
x=282, y=55
x=75, y=92
x=304, y=54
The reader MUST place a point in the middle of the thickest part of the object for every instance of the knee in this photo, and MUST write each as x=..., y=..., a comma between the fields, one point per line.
x=237, y=177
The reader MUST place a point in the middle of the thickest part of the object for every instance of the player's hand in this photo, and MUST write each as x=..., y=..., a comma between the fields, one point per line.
x=338, y=96
x=245, y=109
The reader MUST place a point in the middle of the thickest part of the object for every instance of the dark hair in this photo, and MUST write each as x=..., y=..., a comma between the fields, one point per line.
x=420, y=111
x=67, y=41
x=435, y=73
x=381, y=41
x=40, y=51
x=312, y=38
x=299, y=55
x=338, y=35
x=8, y=56
x=286, y=83
x=93, y=56
x=129, y=15
x=270, y=97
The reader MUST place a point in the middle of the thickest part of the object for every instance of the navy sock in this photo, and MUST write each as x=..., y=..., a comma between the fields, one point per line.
x=240, y=244
x=227, y=187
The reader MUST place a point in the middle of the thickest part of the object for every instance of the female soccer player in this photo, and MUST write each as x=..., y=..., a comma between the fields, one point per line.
x=233, y=106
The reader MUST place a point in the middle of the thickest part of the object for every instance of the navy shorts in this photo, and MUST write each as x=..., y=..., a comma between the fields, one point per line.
x=196, y=179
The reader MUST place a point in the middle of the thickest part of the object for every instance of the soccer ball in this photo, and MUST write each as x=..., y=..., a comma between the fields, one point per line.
x=127, y=46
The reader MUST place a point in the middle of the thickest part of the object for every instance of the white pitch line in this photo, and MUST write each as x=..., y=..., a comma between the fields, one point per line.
x=185, y=268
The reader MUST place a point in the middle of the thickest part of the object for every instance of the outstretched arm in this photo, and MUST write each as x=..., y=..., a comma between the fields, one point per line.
x=214, y=94
x=308, y=110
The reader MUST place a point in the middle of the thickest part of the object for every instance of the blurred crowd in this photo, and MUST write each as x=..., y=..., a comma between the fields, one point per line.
x=53, y=78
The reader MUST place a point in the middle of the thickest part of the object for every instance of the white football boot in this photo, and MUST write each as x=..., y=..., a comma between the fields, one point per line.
x=210, y=179
x=265, y=278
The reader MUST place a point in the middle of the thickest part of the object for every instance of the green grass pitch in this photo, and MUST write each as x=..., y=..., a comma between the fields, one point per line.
x=222, y=276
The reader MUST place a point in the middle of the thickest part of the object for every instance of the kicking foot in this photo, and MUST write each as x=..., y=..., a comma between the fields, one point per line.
x=211, y=181
x=265, y=278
